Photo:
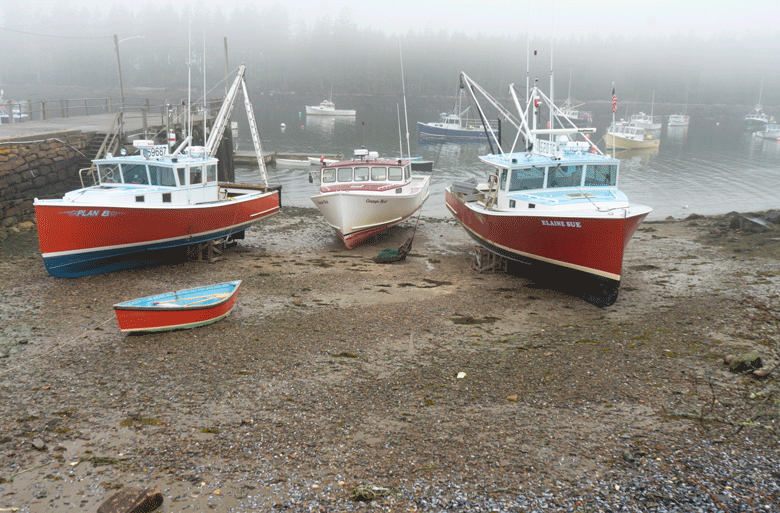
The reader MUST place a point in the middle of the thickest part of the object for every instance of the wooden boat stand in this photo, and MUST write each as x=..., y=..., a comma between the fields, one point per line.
x=210, y=251
x=487, y=262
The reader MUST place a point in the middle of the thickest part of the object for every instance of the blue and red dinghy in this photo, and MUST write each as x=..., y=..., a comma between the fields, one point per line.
x=179, y=310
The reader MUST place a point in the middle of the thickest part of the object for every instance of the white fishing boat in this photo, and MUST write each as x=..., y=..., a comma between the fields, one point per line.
x=622, y=135
x=770, y=131
x=548, y=203
x=367, y=195
x=647, y=121
x=757, y=119
x=454, y=125
x=580, y=118
x=678, y=120
x=681, y=119
x=327, y=108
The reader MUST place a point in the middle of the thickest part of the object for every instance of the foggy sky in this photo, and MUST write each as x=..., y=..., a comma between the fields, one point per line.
x=632, y=19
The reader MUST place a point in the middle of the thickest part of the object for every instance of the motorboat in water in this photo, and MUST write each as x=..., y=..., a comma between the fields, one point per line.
x=151, y=200
x=757, y=119
x=327, y=108
x=647, y=121
x=580, y=118
x=549, y=203
x=622, y=135
x=678, y=120
x=454, y=125
x=367, y=195
x=771, y=131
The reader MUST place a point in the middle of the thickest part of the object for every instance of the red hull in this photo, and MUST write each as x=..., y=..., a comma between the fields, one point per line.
x=166, y=319
x=594, y=245
x=84, y=228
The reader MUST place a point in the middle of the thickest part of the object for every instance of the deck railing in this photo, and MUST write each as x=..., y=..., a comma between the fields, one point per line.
x=71, y=107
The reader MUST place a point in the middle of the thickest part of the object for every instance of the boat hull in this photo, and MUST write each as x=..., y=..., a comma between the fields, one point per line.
x=629, y=144
x=184, y=309
x=430, y=130
x=772, y=135
x=82, y=239
x=590, y=242
x=317, y=111
x=359, y=215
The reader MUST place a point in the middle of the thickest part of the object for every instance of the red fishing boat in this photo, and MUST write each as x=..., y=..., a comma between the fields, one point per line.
x=554, y=202
x=150, y=200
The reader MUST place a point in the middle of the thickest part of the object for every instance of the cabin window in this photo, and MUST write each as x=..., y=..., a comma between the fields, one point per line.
x=408, y=172
x=180, y=172
x=601, y=176
x=344, y=174
x=526, y=178
x=196, y=174
x=396, y=174
x=564, y=176
x=379, y=174
x=166, y=197
x=328, y=175
x=135, y=173
x=503, y=179
x=139, y=199
x=161, y=175
x=109, y=173
x=211, y=173
x=361, y=174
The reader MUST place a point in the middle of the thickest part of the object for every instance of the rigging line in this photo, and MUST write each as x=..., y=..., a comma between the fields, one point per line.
x=53, y=36
x=64, y=345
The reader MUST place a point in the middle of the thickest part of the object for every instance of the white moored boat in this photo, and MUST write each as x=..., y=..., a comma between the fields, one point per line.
x=771, y=131
x=627, y=136
x=367, y=195
x=327, y=108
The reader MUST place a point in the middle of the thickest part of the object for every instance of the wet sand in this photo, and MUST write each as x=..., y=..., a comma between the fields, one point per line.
x=334, y=371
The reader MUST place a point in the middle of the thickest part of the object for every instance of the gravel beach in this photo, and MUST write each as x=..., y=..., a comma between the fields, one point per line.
x=341, y=384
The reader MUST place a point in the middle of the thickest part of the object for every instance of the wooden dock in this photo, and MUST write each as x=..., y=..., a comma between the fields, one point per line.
x=249, y=158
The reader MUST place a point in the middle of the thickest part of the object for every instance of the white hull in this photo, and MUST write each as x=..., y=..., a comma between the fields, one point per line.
x=319, y=111
x=292, y=162
x=357, y=214
x=629, y=144
x=678, y=120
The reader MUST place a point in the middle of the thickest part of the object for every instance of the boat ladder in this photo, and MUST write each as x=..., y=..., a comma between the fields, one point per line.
x=491, y=198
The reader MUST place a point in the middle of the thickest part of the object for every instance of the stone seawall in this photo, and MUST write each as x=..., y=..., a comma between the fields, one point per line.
x=46, y=167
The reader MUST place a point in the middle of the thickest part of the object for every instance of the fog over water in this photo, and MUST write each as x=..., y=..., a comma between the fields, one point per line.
x=716, y=60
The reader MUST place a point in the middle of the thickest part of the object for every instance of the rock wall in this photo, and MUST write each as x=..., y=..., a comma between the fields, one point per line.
x=44, y=168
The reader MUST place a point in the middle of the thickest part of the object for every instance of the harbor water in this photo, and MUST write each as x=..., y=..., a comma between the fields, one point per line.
x=710, y=167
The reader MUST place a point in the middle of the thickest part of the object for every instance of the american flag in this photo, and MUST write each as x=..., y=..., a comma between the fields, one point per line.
x=614, y=100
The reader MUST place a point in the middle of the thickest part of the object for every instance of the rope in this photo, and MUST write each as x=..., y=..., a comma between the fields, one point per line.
x=53, y=349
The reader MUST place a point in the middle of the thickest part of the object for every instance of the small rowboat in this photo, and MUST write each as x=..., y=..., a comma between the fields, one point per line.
x=183, y=309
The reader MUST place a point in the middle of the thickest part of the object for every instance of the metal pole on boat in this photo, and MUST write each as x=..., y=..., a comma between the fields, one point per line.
x=121, y=90
x=121, y=85
x=614, y=108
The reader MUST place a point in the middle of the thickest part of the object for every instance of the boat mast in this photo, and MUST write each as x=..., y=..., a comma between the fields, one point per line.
x=400, y=139
x=406, y=116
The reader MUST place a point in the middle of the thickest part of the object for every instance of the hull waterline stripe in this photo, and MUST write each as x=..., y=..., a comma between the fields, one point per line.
x=263, y=212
